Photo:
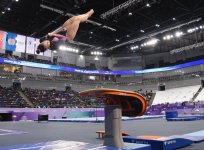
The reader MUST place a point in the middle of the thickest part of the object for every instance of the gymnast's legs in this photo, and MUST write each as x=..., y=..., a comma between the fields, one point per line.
x=71, y=25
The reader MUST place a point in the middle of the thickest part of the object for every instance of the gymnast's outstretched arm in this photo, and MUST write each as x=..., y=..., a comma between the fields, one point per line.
x=56, y=35
x=58, y=30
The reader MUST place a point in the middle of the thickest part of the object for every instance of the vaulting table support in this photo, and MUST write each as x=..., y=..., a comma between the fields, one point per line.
x=113, y=133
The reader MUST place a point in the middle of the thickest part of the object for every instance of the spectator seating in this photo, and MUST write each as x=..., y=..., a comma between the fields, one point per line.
x=59, y=99
x=176, y=95
x=11, y=98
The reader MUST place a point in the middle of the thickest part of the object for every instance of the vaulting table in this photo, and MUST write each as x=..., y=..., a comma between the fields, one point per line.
x=117, y=103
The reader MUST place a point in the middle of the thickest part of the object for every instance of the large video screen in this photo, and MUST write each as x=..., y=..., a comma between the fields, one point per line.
x=119, y=72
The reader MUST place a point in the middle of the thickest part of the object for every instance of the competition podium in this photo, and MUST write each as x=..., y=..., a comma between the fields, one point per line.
x=118, y=103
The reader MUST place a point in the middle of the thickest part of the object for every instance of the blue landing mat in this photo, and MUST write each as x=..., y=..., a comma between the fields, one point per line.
x=161, y=144
x=171, y=142
x=198, y=133
x=186, y=118
x=198, y=136
x=183, y=119
x=73, y=145
x=195, y=139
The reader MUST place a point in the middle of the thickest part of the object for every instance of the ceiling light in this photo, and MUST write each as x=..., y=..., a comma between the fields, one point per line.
x=96, y=58
x=97, y=53
x=148, y=5
x=130, y=13
x=8, y=8
x=17, y=0
x=117, y=40
x=127, y=35
x=3, y=12
x=192, y=29
x=66, y=48
x=151, y=42
x=142, y=31
x=134, y=47
x=91, y=32
x=178, y=34
x=157, y=25
x=168, y=37
x=174, y=19
x=189, y=30
x=63, y=48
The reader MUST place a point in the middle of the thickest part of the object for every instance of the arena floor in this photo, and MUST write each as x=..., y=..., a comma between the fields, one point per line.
x=15, y=133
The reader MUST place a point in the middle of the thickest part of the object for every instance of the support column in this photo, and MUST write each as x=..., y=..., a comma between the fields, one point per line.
x=113, y=133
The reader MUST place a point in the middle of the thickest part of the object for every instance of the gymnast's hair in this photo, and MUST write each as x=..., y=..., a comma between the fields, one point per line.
x=40, y=48
x=43, y=39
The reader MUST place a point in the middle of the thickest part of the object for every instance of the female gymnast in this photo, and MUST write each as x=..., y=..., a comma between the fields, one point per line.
x=70, y=27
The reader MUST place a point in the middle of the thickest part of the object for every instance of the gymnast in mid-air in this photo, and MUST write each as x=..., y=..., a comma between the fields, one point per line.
x=70, y=28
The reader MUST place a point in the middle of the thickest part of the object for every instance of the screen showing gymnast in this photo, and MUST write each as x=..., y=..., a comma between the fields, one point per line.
x=70, y=27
